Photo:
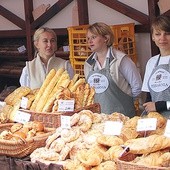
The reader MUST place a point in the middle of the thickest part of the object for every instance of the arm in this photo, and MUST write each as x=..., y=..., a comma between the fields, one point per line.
x=24, y=79
x=155, y=106
x=132, y=75
x=69, y=68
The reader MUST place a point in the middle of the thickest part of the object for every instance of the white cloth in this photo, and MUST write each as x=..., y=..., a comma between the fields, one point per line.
x=149, y=68
x=25, y=76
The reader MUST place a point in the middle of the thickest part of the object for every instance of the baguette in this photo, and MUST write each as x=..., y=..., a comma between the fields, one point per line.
x=75, y=86
x=42, y=101
x=90, y=99
x=62, y=82
x=86, y=94
x=49, y=77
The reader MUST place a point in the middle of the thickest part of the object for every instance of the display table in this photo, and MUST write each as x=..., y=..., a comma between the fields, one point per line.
x=8, y=163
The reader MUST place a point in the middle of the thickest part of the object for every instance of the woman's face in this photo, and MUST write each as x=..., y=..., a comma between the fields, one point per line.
x=46, y=45
x=161, y=39
x=96, y=42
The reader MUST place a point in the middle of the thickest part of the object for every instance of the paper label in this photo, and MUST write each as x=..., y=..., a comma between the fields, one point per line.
x=113, y=127
x=65, y=105
x=146, y=124
x=167, y=129
x=65, y=122
x=21, y=49
x=22, y=117
x=24, y=102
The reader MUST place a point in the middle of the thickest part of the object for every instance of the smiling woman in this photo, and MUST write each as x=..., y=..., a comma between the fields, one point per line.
x=35, y=71
x=157, y=74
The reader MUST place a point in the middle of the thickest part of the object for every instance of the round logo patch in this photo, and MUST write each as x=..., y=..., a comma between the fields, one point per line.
x=160, y=80
x=99, y=82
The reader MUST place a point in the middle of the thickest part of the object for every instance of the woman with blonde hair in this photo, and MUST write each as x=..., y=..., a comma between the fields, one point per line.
x=113, y=74
x=35, y=71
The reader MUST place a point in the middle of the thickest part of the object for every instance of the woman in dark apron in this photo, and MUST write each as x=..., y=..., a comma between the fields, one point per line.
x=157, y=74
x=111, y=72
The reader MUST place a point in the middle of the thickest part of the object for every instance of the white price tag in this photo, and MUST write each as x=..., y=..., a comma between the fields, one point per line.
x=146, y=124
x=2, y=104
x=22, y=117
x=65, y=122
x=24, y=102
x=65, y=105
x=113, y=127
x=167, y=129
x=21, y=49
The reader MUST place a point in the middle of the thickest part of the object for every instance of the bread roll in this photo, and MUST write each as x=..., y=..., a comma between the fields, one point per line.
x=148, y=144
x=16, y=127
x=16, y=95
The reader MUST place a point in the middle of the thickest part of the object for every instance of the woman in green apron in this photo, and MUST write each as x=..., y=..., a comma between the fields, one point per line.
x=111, y=72
x=157, y=74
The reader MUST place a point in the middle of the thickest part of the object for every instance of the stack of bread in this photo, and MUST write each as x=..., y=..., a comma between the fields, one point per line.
x=85, y=146
x=19, y=131
x=56, y=86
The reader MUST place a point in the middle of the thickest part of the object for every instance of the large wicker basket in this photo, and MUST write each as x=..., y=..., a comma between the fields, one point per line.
x=53, y=119
x=124, y=165
x=20, y=149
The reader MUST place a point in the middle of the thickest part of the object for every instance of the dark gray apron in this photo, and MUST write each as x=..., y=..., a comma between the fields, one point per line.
x=112, y=99
x=159, y=84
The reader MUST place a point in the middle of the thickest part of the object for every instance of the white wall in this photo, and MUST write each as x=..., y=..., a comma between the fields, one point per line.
x=97, y=12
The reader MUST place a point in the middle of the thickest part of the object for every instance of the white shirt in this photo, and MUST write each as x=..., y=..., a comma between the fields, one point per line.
x=128, y=70
x=25, y=80
x=149, y=68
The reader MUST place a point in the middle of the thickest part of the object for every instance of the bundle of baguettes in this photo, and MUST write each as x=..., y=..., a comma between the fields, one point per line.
x=58, y=85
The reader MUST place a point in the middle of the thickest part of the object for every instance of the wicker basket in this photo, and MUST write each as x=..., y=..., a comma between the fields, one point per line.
x=20, y=149
x=124, y=165
x=52, y=120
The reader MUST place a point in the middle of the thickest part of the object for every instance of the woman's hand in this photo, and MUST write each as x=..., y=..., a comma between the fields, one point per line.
x=149, y=107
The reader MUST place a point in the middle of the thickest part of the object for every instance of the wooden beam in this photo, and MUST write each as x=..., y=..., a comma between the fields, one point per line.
x=153, y=12
x=167, y=13
x=28, y=6
x=52, y=11
x=126, y=10
x=12, y=17
x=142, y=29
x=83, y=12
x=12, y=33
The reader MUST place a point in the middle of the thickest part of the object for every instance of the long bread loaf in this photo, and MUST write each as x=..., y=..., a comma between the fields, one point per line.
x=49, y=77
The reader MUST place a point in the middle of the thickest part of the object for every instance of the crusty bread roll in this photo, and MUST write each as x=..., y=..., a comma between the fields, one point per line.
x=109, y=140
x=14, y=111
x=16, y=127
x=16, y=95
x=148, y=144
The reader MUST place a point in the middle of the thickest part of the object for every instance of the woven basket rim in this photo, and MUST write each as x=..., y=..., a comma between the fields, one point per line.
x=94, y=105
x=138, y=167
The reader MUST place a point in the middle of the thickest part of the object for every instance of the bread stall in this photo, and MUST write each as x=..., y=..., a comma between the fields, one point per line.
x=87, y=143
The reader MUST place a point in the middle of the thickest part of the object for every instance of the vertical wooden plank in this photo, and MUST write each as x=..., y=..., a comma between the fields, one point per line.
x=83, y=12
x=28, y=6
x=153, y=12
